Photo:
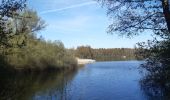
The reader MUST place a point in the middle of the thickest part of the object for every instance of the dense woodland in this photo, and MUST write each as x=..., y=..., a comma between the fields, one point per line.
x=20, y=48
x=102, y=54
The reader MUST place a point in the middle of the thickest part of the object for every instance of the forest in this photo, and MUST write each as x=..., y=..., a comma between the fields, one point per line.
x=21, y=48
x=103, y=54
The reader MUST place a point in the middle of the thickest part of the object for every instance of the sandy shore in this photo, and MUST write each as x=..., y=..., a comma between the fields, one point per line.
x=84, y=61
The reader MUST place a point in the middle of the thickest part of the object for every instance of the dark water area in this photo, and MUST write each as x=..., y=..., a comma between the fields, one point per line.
x=119, y=80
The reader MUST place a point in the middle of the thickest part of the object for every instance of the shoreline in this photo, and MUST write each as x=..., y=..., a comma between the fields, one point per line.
x=84, y=61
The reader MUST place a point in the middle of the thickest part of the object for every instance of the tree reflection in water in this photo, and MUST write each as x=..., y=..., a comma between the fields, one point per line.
x=31, y=86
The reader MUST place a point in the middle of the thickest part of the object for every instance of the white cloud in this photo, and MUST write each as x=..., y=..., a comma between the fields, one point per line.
x=68, y=7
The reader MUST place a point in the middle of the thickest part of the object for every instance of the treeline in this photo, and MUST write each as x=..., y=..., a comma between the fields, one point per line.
x=102, y=54
x=20, y=48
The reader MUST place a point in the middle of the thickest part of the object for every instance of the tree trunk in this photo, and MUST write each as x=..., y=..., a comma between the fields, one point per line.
x=166, y=12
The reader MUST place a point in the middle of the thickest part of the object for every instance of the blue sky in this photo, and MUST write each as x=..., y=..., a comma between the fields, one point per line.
x=79, y=22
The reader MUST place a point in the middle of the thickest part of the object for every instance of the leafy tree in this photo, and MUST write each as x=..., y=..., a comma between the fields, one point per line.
x=20, y=48
x=84, y=52
x=30, y=22
x=30, y=52
x=8, y=9
x=102, y=54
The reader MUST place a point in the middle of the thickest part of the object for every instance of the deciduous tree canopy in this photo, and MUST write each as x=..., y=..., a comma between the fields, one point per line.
x=102, y=54
x=20, y=48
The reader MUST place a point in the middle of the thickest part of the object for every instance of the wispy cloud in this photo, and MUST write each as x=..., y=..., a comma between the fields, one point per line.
x=68, y=7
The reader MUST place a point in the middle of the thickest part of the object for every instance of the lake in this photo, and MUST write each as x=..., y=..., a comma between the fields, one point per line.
x=117, y=80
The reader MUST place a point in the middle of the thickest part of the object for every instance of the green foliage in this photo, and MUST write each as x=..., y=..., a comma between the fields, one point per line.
x=19, y=46
x=8, y=10
x=39, y=54
x=84, y=52
x=105, y=54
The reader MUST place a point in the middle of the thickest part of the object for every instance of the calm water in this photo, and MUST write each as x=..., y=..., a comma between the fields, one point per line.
x=98, y=81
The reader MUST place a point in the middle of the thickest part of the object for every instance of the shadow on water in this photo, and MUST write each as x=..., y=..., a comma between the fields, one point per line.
x=156, y=86
x=30, y=86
